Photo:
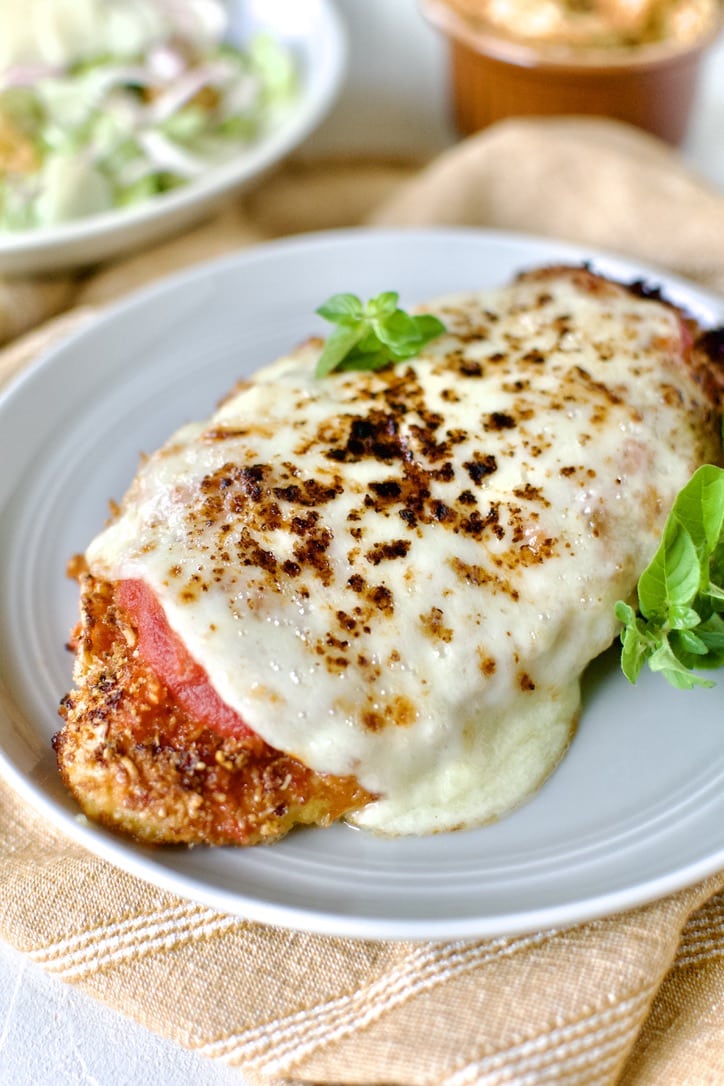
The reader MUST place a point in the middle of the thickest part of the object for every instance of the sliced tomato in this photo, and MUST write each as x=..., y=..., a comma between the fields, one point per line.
x=166, y=655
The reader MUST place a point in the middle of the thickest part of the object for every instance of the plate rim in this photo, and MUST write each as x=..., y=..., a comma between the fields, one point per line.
x=361, y=928
x=270, y=248
x=318, y=920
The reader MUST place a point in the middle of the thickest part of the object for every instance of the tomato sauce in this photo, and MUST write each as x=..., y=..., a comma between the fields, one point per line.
x=166, y=655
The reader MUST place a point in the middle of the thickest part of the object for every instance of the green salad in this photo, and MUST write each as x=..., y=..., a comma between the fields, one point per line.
x=113, y=129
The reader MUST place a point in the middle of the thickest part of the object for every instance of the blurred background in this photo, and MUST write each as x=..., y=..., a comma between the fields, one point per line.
x=397, y=96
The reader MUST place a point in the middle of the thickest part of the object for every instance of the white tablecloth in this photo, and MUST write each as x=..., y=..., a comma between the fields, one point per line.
x=50, y=1033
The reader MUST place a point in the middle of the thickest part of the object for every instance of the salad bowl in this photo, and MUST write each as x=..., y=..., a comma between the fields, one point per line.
x=311, y=36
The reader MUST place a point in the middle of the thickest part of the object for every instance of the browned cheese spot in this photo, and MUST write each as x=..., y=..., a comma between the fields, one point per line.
x=486, y=663
x=499, y=420
x=476, y=576
x=434, y=627
x=387, y=551
x=264, y=498
x=481, y=465
x=396, y=712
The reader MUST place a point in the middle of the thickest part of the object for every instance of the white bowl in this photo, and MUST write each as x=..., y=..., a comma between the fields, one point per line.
x=313, y=31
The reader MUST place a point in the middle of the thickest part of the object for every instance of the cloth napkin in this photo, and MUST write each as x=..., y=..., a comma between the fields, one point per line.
x=636, y=998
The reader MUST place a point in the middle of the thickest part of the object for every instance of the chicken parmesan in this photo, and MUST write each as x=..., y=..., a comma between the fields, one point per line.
x=373, y=595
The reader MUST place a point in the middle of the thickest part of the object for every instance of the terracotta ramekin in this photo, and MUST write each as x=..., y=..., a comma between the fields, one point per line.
x=493, y=78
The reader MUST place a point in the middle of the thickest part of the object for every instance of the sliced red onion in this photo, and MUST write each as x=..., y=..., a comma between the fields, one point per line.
x=25, y=75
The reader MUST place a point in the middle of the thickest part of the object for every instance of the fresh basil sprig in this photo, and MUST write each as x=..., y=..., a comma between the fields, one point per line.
x=679, y=627
x=370, y=335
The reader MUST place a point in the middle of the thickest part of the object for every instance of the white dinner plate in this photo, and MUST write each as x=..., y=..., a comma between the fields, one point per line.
x=313, y=32
x=635, y=810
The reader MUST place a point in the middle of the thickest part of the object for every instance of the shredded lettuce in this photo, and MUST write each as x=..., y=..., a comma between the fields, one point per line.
x=113, y=131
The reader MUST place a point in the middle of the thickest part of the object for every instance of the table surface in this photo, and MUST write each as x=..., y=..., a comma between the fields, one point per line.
x=50, y=1033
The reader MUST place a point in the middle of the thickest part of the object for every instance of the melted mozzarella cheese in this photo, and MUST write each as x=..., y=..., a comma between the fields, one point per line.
x=401, y=575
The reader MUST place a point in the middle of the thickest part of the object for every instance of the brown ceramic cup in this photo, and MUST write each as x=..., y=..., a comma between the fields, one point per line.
x=650, y=86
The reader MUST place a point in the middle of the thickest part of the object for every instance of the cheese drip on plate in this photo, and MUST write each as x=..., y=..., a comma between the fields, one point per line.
x=401, y=575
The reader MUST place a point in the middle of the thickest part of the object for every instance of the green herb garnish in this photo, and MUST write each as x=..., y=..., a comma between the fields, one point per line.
x=679, y=627
x=370, y=336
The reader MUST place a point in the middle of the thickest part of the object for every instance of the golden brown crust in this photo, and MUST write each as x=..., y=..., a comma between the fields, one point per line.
x=137, y=762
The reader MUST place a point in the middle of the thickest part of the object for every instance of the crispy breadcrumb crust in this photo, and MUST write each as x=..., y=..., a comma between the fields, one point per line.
x=136, y=761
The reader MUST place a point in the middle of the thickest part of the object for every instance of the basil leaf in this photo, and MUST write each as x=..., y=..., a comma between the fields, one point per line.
x=711, y=633
x=680, y=627
x=428, y=326
x=664, y=660
x=673, y=576
x=688, y=642
x=364, y=360
x=373, y=335
x=398, y=330
x=683, y=618
x=700, y=508
x=636, y=648
x=342, y=340
x=383, y=305
x=342, y=309
x=715, y=591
